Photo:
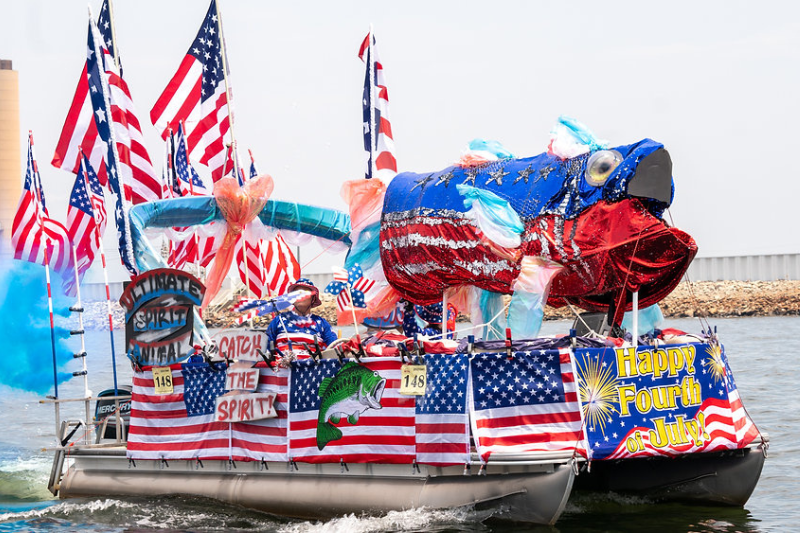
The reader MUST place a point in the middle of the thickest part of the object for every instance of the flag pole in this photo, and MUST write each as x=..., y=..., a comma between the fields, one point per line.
x=194, y=228
x=99, y=239
x=86, y=392
x=373, y=134
x=52, y=331
x=114, y=37
x=227, y=86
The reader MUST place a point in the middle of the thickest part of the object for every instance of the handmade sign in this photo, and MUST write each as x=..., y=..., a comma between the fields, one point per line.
x=670, y=400
x=159, y=315
x=240, y=345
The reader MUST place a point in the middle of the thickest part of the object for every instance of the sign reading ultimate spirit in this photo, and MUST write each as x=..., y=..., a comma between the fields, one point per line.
x=159, y=315
x=668, y=400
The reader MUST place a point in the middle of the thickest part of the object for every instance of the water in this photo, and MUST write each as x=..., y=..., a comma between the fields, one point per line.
x=762, y=353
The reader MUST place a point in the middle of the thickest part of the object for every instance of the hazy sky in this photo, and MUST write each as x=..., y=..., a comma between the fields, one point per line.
x=716, y=82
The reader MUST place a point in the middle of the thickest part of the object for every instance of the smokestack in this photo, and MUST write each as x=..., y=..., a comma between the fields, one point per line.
x=10, y=167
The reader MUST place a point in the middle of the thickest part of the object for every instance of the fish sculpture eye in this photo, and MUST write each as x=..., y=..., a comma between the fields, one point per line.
x=600, y=165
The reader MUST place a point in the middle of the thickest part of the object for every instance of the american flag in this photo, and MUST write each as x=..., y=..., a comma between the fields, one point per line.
x=384, y=435
x=198, y=247
x=253, y=171
x=181, y=425
x=526, y=403
x=375, y=105
x=34, y=233
x=86, y=216
x=196, y=95
x=442, y=429
x=102, y=103
x=80, y=131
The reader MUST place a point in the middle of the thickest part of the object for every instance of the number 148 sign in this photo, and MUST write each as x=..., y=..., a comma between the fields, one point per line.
x=413, y=379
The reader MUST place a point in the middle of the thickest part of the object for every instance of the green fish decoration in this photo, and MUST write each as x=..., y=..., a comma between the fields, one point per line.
x=353, y=390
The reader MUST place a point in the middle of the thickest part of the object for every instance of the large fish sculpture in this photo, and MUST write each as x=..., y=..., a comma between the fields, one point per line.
x=598, y=215
x=595, y=215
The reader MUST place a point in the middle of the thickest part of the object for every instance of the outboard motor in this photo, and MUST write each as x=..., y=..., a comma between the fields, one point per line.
x=105, y=409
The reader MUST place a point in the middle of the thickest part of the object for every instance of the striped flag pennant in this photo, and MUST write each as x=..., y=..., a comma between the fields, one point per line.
x=281, y=265
x=80, y=132
x=197, y=96
x=84, y=225
x=181, y=425
x=378, y=139
x=352, y=413
x=442, y=414
x=525, y=403
x=251, y=270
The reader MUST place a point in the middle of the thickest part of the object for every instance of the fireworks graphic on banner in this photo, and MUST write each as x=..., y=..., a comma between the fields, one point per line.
x=598, y=389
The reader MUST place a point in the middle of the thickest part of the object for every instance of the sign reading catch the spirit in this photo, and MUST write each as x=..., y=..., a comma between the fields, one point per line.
x=668, y=400
x=244, y=407
x=159, y=315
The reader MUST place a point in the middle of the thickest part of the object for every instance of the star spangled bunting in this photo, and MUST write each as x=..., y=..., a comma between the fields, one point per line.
x=349, y=283
x=525, y=403
x=160, y=427
x=442, y=418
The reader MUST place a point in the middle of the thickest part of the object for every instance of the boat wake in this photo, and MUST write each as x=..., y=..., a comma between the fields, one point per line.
x=182, y=513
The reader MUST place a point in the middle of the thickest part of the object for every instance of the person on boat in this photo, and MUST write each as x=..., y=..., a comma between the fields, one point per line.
x=299, y=332
x=427, y=320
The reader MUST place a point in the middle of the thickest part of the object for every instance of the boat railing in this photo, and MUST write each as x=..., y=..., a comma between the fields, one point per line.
x=66, y=429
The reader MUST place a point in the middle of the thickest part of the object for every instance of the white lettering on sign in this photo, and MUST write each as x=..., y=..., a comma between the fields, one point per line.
x=241, y=345
x=241, y=379
x=244, y=407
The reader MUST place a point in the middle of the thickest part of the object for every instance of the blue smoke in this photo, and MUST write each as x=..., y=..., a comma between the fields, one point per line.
x=27, y=359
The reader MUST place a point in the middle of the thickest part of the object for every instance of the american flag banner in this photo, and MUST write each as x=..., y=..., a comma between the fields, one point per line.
x=85, y=227
x=378, y=139
x=525, y=403
x=80, y=131
x=181, y=425
x=188, y=179
x=442, y=423
x=352, y=412
x=281, y=265
x=197, y=96
x=102, y=104
x=666, y=401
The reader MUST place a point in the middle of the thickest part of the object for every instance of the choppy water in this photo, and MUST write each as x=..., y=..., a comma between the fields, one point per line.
x=763, y=354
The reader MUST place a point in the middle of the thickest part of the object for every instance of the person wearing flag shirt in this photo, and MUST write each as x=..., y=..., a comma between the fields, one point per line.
x=295, y=332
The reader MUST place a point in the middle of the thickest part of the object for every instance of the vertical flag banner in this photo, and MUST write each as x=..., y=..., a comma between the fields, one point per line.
x=196, y=96
x=442, y=423
x=645, y=401
x=103, y=110
x=525, y=403
x=378, y=140
x=80, y=131
x=352, y=412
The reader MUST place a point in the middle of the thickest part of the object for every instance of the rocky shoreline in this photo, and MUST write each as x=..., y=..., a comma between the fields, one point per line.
x=700, y=298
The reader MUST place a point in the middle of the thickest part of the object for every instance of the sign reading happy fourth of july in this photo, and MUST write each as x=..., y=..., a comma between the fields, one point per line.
x=159, y=315
x=668, y=400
